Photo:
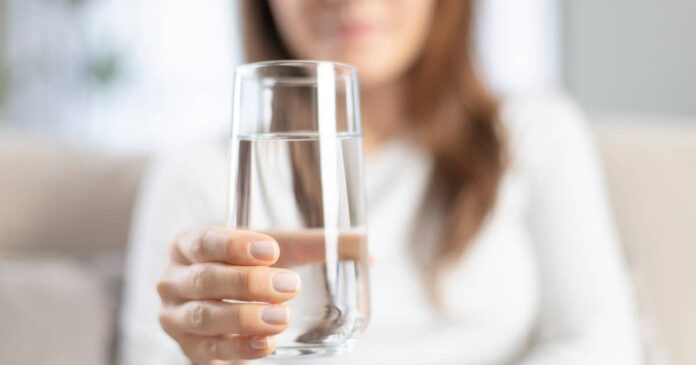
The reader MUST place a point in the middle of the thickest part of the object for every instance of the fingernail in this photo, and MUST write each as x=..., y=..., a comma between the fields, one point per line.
x=263, y=250
x=286, y=282
x=258, y=343
x=275, y=315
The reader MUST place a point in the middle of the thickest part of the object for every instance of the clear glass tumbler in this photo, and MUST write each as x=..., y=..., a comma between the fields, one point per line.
x=297, y=174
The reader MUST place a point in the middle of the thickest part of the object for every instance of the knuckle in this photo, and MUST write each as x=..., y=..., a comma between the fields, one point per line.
x=179, y=245
x=198, y=316
x=242, y=320
x=252, y=280
x=196, y=247
x=257, y=280
x=200, y=277
x=224, y=242
x=212, y=347
x=231, y=248
x=241, y=283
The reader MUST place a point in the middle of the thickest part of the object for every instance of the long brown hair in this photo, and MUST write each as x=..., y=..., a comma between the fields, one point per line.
x=452, y=115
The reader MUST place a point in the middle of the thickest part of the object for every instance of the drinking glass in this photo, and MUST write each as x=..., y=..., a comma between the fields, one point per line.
x=297, y=174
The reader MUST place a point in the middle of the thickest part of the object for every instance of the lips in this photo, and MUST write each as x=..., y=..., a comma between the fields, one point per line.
x=356, y=29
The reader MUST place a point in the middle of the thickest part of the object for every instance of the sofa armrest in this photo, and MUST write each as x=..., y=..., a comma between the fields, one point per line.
x=53, y=312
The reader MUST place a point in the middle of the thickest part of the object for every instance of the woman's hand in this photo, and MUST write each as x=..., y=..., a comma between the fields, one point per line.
x=208, y=269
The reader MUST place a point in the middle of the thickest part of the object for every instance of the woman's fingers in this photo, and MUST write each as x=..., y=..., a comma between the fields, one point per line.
x=219, y=281
x=224, y=245
x=213, y=264
x=213, y=318
x=204, y=350
x=307, y=246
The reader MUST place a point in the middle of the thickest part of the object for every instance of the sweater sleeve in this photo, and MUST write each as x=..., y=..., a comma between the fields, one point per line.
x=587, y=314
x=169, y=203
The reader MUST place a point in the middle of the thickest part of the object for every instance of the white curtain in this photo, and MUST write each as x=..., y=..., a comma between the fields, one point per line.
x=171, y=67
x=519, y=44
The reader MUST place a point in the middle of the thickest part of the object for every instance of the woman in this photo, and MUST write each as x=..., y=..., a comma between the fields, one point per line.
x=514, y=259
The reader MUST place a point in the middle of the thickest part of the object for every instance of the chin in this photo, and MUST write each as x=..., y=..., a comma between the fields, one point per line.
x=374, y=74
x=374, y=68
x=371, y=79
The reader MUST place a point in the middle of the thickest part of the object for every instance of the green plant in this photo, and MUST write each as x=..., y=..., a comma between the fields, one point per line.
x=104, y=68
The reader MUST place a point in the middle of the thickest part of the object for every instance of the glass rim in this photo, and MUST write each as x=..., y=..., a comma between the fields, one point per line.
x=342, y=70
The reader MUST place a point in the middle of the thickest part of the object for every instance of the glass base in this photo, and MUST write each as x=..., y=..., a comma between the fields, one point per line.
x=311, y=351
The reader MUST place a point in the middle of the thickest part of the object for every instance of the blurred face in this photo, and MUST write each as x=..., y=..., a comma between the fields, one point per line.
x=381, y=37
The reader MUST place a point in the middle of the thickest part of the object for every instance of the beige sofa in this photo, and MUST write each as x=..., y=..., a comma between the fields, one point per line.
x=64, y=220
x=651, y=172
x=64, y=217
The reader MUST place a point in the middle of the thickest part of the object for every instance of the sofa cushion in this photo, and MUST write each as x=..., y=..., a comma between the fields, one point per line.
x=61, y=199
x=651, y=170
x=53, y=312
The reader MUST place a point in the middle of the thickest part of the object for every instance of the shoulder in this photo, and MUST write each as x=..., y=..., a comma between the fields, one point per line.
x=191, y=162
x=543, y=127
x=193, y=175
x=542, y=116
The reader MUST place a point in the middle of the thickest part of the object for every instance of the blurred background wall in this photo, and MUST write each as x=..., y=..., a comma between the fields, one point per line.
x=634, y=56
x=124, y=75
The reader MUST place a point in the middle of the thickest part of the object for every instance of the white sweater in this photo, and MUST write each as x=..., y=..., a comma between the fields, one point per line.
x=543, y=283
